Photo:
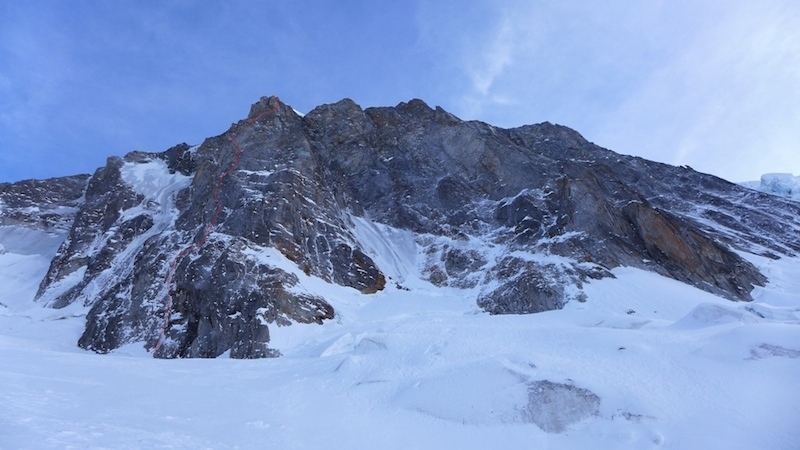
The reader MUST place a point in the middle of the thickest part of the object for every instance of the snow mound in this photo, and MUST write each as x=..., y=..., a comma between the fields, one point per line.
x=489, y=393
x=750, y=343
x=480, y=393
x=706, y=315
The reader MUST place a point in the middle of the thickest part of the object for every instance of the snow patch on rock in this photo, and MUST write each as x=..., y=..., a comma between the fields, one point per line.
x=153, y=179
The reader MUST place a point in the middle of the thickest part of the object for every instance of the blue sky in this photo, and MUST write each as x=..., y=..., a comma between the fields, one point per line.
x=712, y=84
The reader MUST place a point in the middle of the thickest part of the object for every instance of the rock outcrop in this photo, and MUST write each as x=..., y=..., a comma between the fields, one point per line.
x=48, y=205
x=199, y=251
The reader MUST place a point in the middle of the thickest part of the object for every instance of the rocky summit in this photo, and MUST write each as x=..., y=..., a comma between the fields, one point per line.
x=200, y=250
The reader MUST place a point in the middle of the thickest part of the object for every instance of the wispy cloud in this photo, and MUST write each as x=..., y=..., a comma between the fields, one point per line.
x=492, y=60
x=505, y=46
x=726, y=103
x=713, y=84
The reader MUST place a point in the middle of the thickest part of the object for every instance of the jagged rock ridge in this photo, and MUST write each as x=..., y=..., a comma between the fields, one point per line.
x=520, y=218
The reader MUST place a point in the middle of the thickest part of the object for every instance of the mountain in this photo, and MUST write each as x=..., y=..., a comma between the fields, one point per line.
x=201, y=251
x=428, y=283
x=46, y=205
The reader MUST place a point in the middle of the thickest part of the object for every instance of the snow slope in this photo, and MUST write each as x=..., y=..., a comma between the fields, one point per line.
x=645, y=362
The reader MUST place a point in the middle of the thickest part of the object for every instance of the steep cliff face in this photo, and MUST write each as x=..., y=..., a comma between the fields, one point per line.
x=199, y=251
x=169, y=248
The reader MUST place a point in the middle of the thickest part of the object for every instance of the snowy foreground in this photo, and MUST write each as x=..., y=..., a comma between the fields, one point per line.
x=646, y=362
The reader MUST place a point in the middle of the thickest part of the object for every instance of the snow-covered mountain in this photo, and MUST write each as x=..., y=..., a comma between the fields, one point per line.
x=196, y=251
x=392, y=258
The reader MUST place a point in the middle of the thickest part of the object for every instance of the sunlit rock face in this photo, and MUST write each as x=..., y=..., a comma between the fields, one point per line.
x=201, y=251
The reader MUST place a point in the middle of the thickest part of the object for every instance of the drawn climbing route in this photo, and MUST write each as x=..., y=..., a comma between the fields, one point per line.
x=173, y=265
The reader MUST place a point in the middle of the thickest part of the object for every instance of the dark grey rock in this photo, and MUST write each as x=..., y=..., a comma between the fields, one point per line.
x=526, y=287
x=48, y=205
x=555, y=406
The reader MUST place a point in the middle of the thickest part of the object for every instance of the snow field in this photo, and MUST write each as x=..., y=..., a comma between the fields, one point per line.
x=673, y=367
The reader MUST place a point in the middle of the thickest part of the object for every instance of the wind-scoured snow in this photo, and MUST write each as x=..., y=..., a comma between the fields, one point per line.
x=645, y=363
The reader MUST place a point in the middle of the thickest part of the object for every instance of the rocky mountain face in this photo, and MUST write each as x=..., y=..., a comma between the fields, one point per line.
x=41, y=211
x=198, y=251
x=48, y=205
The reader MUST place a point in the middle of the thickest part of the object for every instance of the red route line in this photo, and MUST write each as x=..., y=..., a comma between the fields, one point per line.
x=173, y=266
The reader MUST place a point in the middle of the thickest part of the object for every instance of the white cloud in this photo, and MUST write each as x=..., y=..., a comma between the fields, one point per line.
x=713, y=84
x=492, y=60
x=727, y=102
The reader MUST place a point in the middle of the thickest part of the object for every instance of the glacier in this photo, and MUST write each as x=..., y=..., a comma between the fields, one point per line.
x=780, y=184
